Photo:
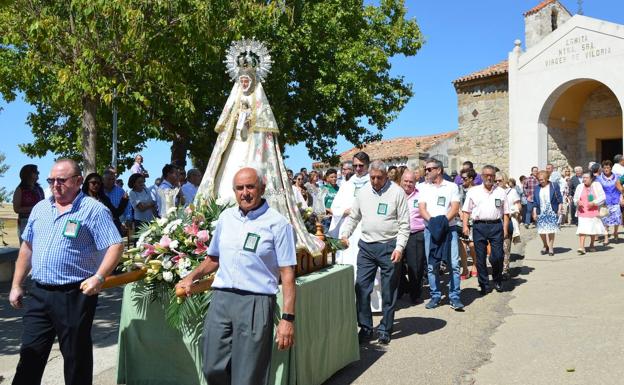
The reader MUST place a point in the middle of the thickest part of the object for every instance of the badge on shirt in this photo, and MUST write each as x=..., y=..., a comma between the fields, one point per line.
x=382, y=209
x=441, y=201
x=415, y=203
x=251, y=242
x=498, y=203
x=71, y=228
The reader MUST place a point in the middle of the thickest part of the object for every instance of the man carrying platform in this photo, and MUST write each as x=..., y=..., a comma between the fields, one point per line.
x=70, y=245
x=252, y=247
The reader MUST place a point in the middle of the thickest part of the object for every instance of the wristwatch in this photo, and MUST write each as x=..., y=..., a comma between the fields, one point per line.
x=288, y=317
x=99, y=277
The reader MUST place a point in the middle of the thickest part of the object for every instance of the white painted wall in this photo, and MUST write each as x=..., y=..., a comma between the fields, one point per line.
x=581, y=49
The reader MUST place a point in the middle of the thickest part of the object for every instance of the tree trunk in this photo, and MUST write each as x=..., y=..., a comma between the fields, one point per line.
x=179, y=147
x=89, y=134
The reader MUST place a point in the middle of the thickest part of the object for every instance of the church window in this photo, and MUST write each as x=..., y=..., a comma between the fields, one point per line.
x=553, y=19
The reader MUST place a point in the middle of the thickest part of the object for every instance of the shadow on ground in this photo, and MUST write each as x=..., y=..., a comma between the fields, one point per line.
x=105, y=325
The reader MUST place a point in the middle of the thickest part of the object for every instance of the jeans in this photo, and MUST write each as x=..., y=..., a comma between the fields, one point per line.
x=528, y=217
x=433, y=269
x=370, y=257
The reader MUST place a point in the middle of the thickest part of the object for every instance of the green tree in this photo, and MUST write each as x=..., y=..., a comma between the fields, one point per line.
x=165, y=61
x=4, y=194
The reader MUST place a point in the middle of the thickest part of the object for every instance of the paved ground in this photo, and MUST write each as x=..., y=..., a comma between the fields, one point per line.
x=559, y=323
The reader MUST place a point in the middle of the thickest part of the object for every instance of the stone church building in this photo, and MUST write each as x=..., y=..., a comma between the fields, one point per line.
x=557, y=101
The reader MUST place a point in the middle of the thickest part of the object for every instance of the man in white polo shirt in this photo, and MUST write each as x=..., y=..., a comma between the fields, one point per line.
x=488, y=208
x=440, y=197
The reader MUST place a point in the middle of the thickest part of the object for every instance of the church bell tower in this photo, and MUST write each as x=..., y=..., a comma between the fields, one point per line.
x=542, y=20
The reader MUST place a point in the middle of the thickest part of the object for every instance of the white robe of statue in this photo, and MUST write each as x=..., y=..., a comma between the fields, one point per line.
x=248, y=138
x=344, y=201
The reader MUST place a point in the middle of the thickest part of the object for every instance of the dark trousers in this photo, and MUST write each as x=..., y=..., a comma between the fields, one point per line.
x=238, y=337
x=415, y=257
x=528, y=215
x=61, y=311
x=482, y=233
x=370, y=257
x=573, y=217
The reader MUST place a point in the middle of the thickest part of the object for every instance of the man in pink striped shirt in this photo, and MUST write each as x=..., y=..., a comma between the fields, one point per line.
x=415, y=248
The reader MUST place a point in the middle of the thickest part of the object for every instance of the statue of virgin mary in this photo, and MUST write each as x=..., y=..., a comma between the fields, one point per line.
x=248, y=138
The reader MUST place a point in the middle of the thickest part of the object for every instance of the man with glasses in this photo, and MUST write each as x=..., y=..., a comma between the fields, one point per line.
x=439, y=206
x=487, y=206
x=64, y=241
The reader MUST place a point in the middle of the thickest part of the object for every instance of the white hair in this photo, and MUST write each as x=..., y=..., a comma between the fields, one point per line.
x=259, y=175
x=378, y=165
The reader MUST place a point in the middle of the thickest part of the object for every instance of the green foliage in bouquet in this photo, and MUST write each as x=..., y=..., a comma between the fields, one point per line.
x=169, y=248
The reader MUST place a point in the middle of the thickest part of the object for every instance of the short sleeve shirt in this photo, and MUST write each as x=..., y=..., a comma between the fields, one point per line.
x=66, y=248
x=484, y=205
x=251, y=248
x=438, y=198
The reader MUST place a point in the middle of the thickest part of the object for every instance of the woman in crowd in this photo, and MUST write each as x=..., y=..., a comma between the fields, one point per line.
x=513, y=202
x=466, y=244
x=548, y=202
x=393, y=173
x=27, y=194
x=608, y=181
x=301, y=193
x=141, y=200
x=94, y=188
x=588, y=197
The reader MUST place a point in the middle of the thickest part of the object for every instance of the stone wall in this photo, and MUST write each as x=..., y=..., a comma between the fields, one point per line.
x=539, y=24
x=567, y=143
x=483, y=114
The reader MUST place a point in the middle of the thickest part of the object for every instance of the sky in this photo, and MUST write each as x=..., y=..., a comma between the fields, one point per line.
x=460, y=37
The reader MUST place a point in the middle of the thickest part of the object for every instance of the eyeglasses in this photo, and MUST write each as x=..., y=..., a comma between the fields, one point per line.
x=359, y=165
x=429, y=169
x=60, y=180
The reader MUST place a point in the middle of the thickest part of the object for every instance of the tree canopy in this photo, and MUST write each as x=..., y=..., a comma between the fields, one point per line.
x=161, y=63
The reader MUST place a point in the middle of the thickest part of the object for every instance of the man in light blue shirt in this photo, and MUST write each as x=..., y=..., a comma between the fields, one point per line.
x=252, y=247
x=64, y=240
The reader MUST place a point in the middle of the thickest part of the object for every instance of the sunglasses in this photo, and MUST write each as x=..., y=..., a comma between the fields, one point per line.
x=466, y=177
x=59, y=180
x=498, y=180
x=429, y=169
x=359, y=165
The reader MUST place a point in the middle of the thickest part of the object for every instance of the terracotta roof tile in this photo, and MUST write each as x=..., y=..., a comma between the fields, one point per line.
x=493, y=70
x=538, y=7
x=395, y=148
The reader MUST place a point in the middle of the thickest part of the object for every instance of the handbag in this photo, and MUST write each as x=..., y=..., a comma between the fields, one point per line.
x=603, y=212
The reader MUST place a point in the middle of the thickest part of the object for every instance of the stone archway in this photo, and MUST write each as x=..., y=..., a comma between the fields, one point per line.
x=581, y=121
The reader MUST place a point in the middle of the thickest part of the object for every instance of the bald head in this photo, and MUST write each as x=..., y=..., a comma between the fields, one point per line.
x=248, y=186
x=408, y=181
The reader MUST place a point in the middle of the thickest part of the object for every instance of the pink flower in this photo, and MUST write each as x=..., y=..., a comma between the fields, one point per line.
x=203, y=236
x=176, y=258
x=165, y=241
x=188, y=210
x=149, y=250
x=192, y=229
x=201, y=247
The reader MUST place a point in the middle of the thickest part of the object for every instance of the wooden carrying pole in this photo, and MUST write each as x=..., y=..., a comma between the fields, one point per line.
x=122, y=279
x=199, y=287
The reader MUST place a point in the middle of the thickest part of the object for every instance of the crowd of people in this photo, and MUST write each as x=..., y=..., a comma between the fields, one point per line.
x=400, y=228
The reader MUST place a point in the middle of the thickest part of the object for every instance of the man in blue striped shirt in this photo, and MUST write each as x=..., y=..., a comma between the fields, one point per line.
x=64, y=241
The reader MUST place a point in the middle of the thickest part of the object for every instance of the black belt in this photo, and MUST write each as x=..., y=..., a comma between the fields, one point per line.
x=66, y=287
x=242, y=292
x=489, y=222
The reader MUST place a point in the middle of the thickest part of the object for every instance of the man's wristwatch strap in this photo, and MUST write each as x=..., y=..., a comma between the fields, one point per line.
x=99, y=277
x=288, y=317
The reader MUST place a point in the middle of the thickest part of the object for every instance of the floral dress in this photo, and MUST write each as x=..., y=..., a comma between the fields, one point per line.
x=547, y=220
x=613, y=199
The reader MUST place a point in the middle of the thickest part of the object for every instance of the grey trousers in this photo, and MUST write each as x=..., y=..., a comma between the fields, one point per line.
x=238, y=337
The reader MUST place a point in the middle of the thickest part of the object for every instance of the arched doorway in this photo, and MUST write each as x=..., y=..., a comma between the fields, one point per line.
x=580, y=122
